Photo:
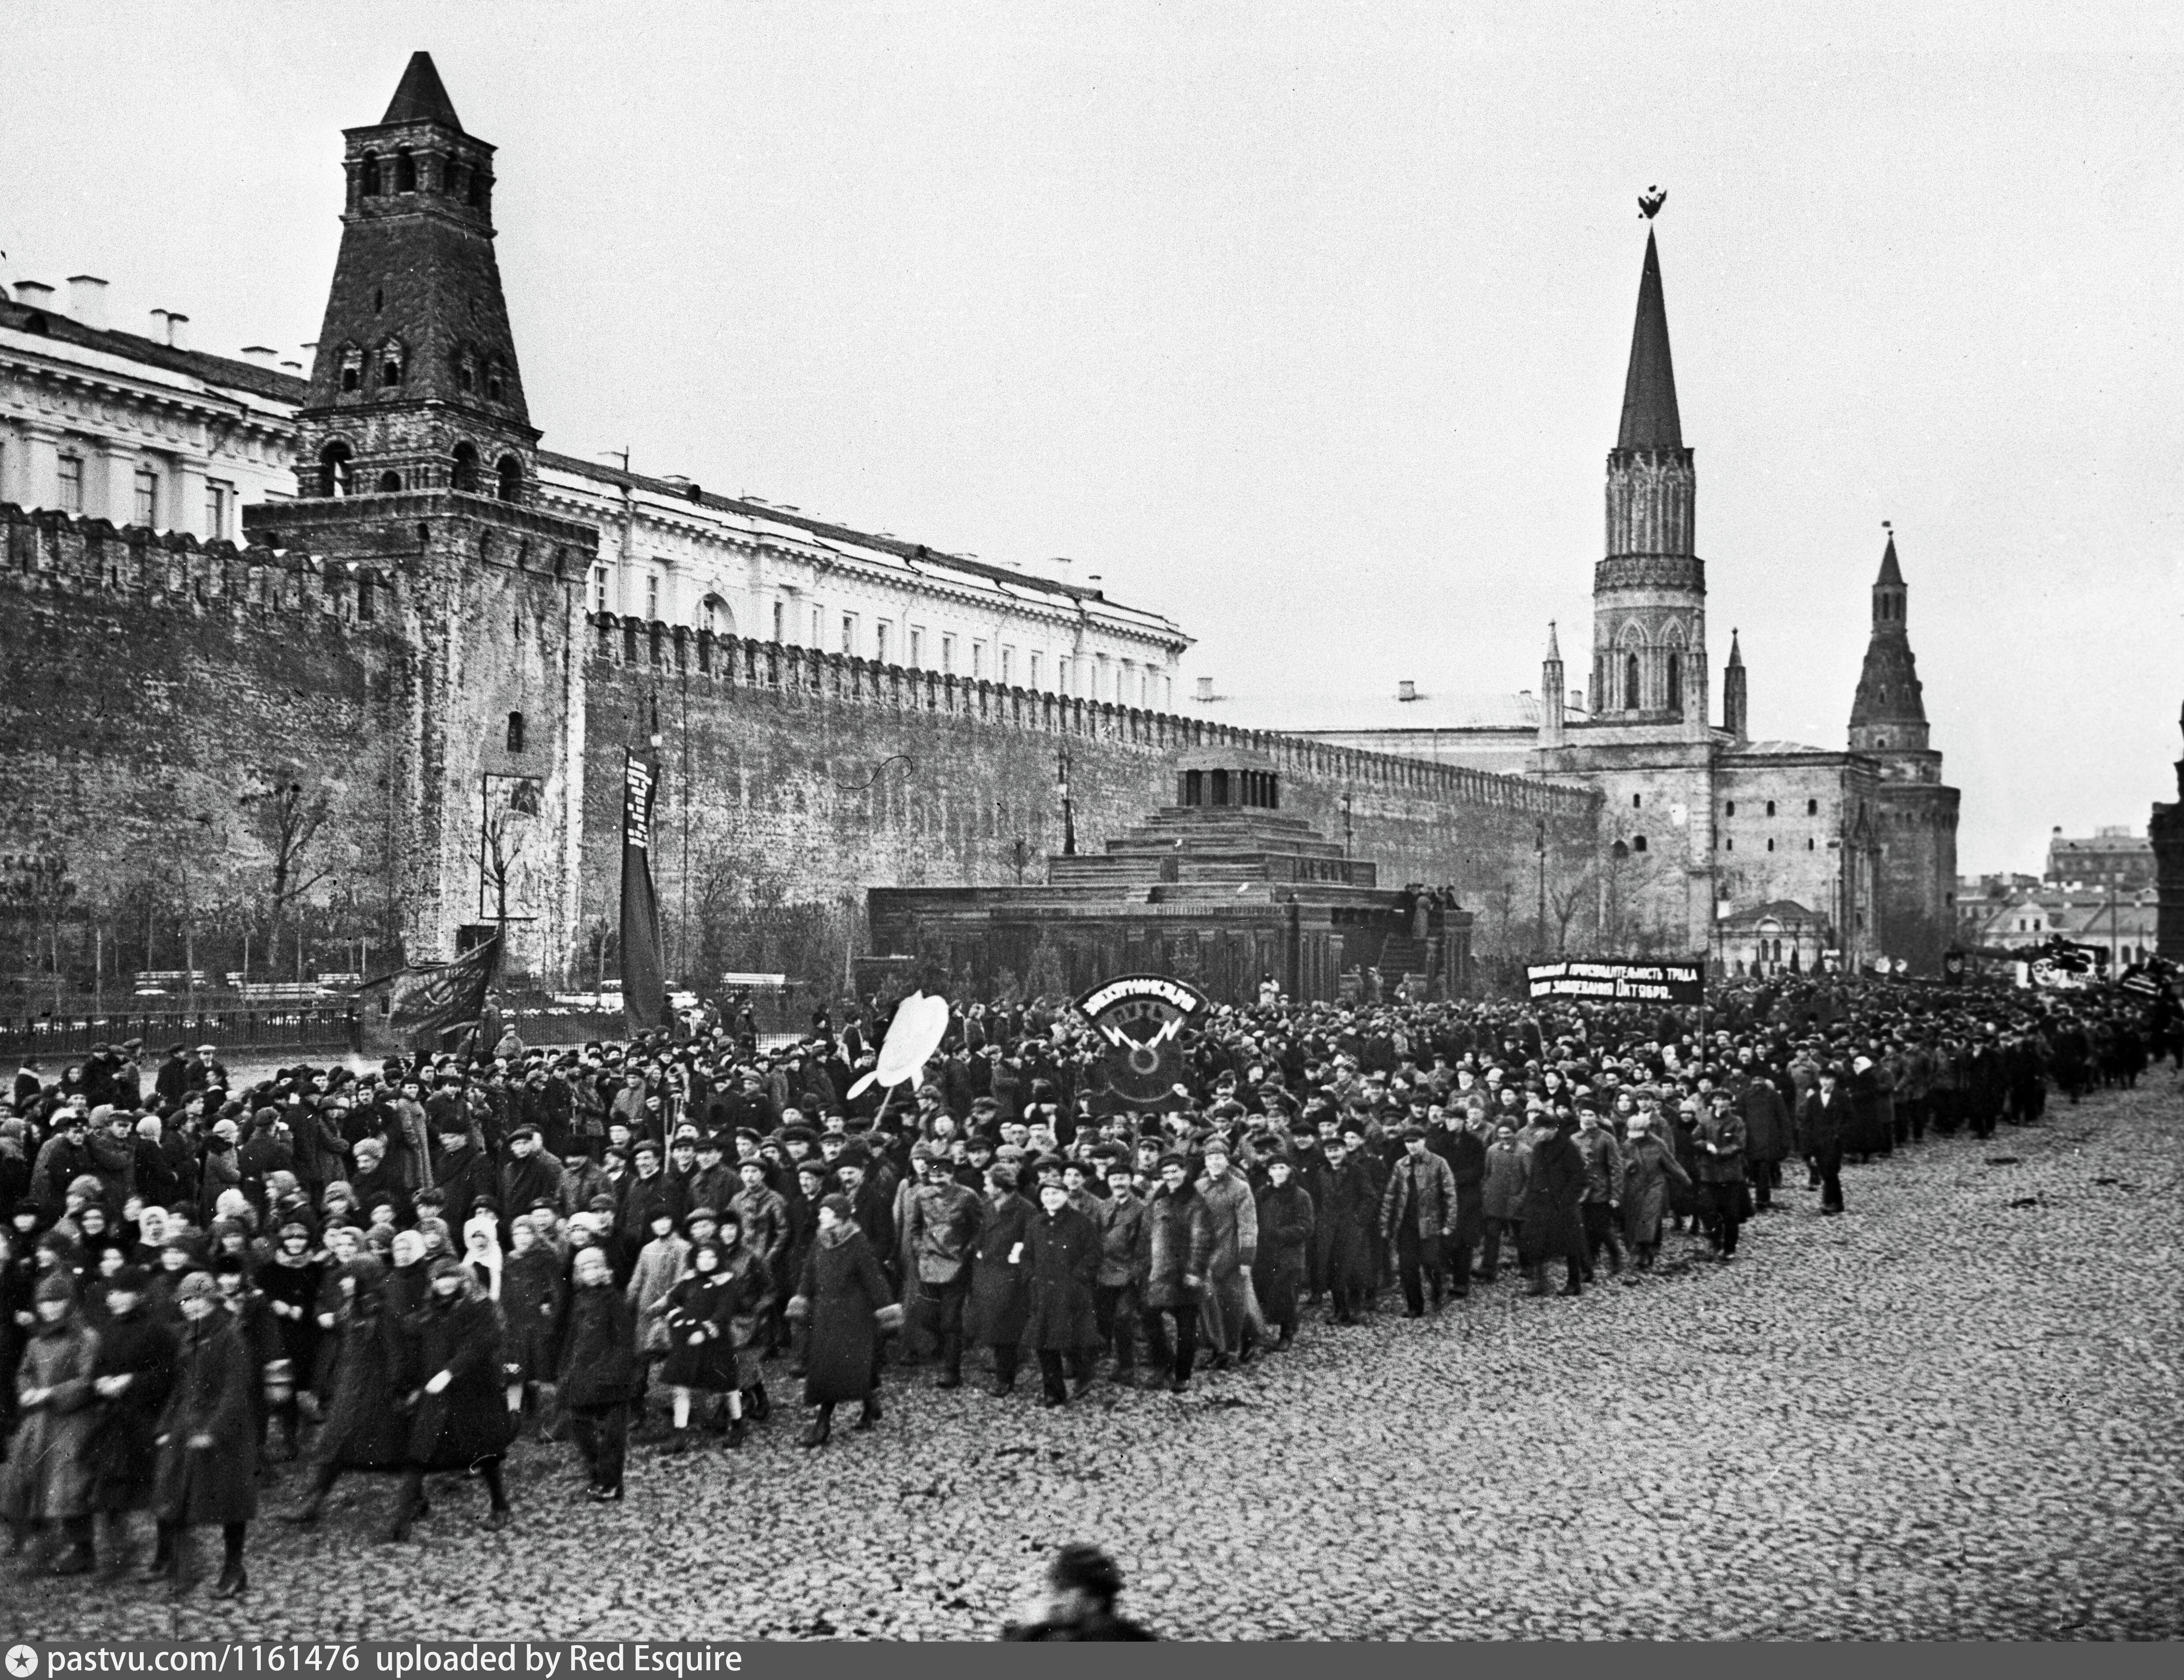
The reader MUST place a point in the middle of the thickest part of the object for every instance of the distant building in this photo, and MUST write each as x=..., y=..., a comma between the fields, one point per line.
x=1706, y=834
x=2112, y=855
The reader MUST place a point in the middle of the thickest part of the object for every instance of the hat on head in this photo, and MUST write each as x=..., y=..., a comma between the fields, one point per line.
x=447, y=1266
x=1002, y=1175
x=129, y=1281
x=839, y=1205
x=55, y=1285
x=197, y=1287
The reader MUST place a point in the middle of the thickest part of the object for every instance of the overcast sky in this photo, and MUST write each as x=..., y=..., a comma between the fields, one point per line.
x=1304, y=325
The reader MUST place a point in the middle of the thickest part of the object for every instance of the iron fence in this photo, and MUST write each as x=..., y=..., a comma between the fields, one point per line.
x=332, y=1026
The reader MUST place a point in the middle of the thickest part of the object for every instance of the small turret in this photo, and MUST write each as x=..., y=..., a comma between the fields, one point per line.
x=1553, y=728
x=1735, y=718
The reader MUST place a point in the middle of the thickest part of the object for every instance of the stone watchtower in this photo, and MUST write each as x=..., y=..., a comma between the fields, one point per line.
x=1649, y=590
x=1915, y=816
x=416, y=456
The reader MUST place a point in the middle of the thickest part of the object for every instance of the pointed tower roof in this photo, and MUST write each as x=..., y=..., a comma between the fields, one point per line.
x=1735, y=653
x=420, y=97
x=1649, y=420
x=1554, y=647
x=1890, y=573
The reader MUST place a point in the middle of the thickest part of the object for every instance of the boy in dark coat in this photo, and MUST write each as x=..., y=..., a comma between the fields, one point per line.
x=131, y=1372
x=1286, y=1223
x=599, y=1371
x=208, y=1471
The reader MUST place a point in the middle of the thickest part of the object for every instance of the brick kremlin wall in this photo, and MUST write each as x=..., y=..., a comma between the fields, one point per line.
x=794, y=780
x=152, y=680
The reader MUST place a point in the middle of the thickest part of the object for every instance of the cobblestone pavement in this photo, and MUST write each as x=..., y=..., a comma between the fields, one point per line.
x=1951, y=1413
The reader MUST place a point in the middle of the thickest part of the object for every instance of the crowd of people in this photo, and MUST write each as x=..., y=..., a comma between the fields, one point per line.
x=403, y=1270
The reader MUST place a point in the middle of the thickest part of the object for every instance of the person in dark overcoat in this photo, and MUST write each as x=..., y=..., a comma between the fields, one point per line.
x=1767, y=1134
x=846, y=1298
x=1000, y=1296
x=599, y=1371
x=131, y=1373
x=1175, y=1246
x=1824, y=1125
x=1649, y=1165
x=1554, y=1225
x=364, y=1426
x=531, y=1301
x=1465, y=1152
x=290, y=1284
x=699, y=1319
x=47, y=1482
x=1350, y=1217
x=461, y=1420
x=1287, y=1220
x=1061, y=1260
x=208, y=1471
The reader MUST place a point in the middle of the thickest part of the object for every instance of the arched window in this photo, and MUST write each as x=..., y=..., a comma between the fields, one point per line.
x=463, y=473
x=1770, y=807
x=718, y=619
x=480, y=184
x=1730, y=809
x=1675, y=682
x=1630, y=683
x=352, y=368
x=334, y=469
x=1638, y=842
x=466, y=370
x=515, y=731
x=510, y=472
x=1812, y=808
x=390, y=363
x=368, y=175
x=406, y=171
x=493, y=382
x=389, y=483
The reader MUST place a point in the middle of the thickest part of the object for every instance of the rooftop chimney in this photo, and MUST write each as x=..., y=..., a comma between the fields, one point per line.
x=264, y=354
x=1577, y=699
x=1406, y=689
x=170, y=329
x=1205, y=687
x=34, y=294
x=87, y=299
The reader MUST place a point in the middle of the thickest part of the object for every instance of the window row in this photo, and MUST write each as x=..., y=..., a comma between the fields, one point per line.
x=1812, y=808
x=403, y=170
x=149, y=505
x=337, y=474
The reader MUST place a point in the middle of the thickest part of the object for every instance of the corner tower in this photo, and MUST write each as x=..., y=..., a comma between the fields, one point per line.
x=1649, y=662
x=415, y=384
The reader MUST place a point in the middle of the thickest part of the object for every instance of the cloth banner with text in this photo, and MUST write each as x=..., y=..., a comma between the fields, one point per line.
x=1609, y=981
x=644, y=974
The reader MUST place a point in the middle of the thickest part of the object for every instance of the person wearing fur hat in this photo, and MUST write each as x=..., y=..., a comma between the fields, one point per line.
x=45, y=1484
x=208, y=1470
x=130, y=1374
x=461, y=1421
x=846, y=1299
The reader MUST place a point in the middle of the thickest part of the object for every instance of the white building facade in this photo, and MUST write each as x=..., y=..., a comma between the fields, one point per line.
x=133, y=428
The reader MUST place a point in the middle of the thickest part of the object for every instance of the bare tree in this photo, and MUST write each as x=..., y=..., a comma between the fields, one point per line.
x=285, y=819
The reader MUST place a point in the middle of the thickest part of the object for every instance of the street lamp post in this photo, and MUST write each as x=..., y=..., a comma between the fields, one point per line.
x=1540, y=846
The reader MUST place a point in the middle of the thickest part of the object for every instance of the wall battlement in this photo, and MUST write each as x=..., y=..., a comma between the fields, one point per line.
x=61, y=557
x=809, y=677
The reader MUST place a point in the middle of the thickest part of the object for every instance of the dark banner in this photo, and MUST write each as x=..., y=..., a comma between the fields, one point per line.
x=1619, y=982
x=427, y=1006
x=644, y=974
x=1140, y=1018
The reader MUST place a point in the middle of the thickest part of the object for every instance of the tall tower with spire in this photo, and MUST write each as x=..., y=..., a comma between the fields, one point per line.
x=1888, y=717
x=417, y=471
x=1649, y=663
x=415, y=383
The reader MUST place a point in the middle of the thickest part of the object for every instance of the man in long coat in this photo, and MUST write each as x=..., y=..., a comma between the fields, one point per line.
x=1418, y=1213
x=1062, y=1254
x=1553, y=1227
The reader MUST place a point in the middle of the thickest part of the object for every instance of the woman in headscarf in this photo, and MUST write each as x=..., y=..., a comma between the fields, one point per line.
x=46, y=1484
x=845, y=1297
x=701, y=1349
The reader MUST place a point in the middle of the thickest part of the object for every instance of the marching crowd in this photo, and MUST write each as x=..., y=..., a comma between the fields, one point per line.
x=401, y=1271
